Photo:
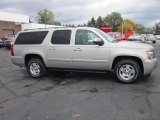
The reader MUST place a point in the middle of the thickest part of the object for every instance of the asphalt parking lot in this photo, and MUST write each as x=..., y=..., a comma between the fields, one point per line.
x=75, y=96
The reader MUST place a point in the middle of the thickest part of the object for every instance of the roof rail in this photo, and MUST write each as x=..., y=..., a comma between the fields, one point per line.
x=44, y=28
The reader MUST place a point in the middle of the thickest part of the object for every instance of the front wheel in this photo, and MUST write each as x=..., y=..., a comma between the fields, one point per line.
x=36, y=68
x=127, y=71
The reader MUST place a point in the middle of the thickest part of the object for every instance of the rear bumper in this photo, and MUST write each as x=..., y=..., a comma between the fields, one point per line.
x=1, y=44
x=150, y=65
x=18, y=61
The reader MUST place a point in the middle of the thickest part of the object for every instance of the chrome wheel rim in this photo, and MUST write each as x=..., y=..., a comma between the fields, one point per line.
x=127, y=72
x=35, y=69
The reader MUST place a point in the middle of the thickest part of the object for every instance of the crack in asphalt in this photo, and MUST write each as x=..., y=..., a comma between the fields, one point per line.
x=2, y=74
x=150, y=106
x=9, y=90
x=25, y=95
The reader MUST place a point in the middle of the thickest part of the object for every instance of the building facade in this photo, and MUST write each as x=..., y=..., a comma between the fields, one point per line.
x=8, y=29
x=11, y=23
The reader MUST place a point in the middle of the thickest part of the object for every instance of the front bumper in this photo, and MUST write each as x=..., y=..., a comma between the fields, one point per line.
x=150, y=65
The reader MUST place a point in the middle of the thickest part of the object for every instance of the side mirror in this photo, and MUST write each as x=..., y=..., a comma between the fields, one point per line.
x=98, y=41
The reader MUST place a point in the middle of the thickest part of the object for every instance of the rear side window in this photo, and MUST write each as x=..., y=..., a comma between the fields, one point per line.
x=61, y=37
x=31, y=37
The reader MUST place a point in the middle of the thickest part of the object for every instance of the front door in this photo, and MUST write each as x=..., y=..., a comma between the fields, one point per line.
x=86, y=54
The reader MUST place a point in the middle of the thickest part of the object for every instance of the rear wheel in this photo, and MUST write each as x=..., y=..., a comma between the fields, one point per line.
x=127, y=71
x=36, y=68
x=154, y=42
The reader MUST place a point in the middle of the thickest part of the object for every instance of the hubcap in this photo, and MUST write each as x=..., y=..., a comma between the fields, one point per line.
x=35, y=69
x=127, y=72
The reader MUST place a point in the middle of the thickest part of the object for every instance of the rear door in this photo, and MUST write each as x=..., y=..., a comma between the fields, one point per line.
x=60, y=50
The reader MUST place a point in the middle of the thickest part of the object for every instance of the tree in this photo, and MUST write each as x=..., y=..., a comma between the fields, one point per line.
x=57, y=23
x=78, y=25
x=89, y=24
x=141, y=29
x=47, y=17
x=114, y=20
x=157, y=28
x=93, y=22
x=127, y=25
x=84, y=25
x=99, y=22
x=72, y=25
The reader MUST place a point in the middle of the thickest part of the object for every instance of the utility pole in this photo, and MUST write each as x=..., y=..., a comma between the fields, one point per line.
x=122, y=26
x=45, y=21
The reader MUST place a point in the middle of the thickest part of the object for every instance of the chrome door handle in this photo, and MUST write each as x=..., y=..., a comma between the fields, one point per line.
x=78, y=49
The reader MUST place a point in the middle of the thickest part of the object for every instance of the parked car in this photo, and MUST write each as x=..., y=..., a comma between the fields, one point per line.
x=72, y=49
x=116, y=35
x=157, y=37
x=136, y=38
x=1, y=43
x=8, y=43
x=151, y=38
x=3, y=40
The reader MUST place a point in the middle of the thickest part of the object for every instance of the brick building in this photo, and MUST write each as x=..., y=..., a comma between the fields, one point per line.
x=10, y=23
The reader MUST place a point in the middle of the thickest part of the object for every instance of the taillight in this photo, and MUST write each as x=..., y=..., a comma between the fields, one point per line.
x=12, y=52
x=140, y=40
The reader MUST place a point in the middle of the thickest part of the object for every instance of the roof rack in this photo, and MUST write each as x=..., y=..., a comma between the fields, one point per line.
x=44, y=28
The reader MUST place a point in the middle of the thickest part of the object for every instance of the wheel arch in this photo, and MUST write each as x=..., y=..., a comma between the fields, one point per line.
x=136, y=59
x=30, y=56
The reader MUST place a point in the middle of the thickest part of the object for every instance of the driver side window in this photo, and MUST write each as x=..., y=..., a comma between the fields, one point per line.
x=85, y=37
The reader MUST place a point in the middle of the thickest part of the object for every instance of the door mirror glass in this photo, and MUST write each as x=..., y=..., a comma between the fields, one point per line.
x=98, y=41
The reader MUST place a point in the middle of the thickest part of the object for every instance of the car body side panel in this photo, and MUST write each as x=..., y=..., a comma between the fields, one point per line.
x=118, y=52
x=91, y=57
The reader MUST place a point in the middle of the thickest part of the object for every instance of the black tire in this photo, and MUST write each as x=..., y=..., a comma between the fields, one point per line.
x=134, y=71
x=154, y=42
x=40, y=68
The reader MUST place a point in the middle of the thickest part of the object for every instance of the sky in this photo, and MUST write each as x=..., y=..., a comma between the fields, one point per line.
x=145, y=12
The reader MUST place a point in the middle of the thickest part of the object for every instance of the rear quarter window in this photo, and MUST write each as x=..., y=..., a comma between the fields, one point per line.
x=61, y=37
x=31, y=37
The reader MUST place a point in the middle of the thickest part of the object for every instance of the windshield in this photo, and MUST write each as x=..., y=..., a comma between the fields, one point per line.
x=151, y=36
x=107, y=37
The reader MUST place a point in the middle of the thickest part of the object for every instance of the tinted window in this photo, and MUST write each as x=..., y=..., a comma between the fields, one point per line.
x=31, y=37
x=85, y=37
x=61, y=37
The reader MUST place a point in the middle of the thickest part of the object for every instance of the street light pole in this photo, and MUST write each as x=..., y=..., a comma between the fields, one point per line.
x=122, y=27
x=45, y=21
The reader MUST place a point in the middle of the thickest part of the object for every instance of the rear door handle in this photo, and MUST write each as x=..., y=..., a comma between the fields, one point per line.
x=78, y=49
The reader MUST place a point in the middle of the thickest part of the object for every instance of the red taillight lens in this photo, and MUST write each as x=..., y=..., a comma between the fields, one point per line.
x=140, y=40
x=12, y=53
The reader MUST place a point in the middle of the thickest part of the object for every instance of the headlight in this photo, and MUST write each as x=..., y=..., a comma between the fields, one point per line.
x=150, y=54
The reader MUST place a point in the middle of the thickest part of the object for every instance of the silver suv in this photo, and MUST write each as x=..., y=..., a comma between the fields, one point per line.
x=81, y=49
